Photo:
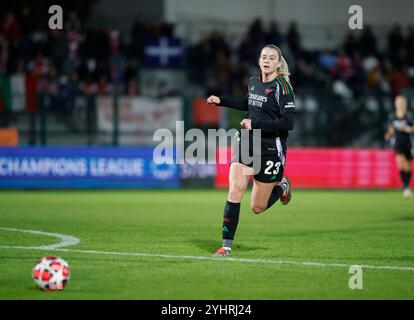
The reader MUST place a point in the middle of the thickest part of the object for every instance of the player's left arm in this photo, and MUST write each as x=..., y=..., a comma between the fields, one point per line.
x=287, y=112
x=410, y=127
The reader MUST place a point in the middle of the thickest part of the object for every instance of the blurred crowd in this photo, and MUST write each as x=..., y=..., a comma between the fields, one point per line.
x=75, y=59
x=79, y=60
x=358, y=66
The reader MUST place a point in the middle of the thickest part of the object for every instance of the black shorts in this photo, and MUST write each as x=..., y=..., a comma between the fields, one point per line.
x=404, y=149
x=268, y=168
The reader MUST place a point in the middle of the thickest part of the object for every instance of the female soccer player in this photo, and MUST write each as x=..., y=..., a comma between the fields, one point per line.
x=398, y=134
x=270, y=106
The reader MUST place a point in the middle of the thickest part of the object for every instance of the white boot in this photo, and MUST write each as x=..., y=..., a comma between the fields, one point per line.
x=407, y=193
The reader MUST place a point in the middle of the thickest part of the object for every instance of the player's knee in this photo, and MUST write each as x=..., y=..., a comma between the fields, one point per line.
x=257, y=208
x=235, y=193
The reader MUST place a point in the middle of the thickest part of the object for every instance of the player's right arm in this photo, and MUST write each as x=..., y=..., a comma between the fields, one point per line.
x=235, y=103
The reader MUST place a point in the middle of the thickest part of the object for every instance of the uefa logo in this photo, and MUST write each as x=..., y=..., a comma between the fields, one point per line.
x=163, y=171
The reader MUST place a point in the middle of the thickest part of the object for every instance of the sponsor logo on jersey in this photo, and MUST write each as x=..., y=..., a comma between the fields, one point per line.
x=256, y=99
x=399, y=124
x=289, y=105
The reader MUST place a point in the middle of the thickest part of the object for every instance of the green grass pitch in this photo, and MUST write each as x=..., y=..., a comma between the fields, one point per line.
x=373, y=228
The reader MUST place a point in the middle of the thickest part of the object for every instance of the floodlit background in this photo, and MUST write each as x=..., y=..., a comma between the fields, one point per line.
x=79, y=108
x=120, y=70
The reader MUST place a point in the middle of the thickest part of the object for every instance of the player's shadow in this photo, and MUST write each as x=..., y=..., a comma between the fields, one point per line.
x=212, y=245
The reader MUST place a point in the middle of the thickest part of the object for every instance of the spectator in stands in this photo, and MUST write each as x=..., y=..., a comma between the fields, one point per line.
x=247, y=50
x=344, y=66
x=27, y=26
x=222, y=69
x=58, y=49
x=293, y=40
x=96, y=44
x=49, y=84
x=26, y=21
x=116, y=74
x=138, y=34
x=368, y=42
x=357, y=79
x=132, y=88
x=115, y=41
x=396, y=45
x=69, y=90
x=273, y=35
x=103, y=87
x=88, y=87
x=198, y=61
x=100, y=57
x=74, y=23
x=374, y=75
x=350, y=45
x=409, y=46
x=10, y=27
x=327, y=61
x=3, y=55
x=256, y=31
x=304, y=75
x=40, y=65
x=131, y=70
x=399, y=80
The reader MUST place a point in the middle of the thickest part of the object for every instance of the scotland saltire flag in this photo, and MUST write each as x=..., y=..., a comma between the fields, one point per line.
x=163, y=52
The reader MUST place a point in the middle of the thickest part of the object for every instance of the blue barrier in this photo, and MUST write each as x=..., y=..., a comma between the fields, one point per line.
x=83, y=167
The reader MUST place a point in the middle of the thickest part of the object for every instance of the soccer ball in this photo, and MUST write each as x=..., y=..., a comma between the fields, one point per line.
x=51, y=273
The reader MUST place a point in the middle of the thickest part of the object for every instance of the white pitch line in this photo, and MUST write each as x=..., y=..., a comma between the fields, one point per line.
x=66, y=240
x=58, y=247
x=207, y=258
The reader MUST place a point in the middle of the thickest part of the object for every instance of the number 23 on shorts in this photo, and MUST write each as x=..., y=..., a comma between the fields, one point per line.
x=270, y=165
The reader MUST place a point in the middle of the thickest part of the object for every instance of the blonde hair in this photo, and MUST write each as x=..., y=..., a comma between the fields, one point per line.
x=284, y=68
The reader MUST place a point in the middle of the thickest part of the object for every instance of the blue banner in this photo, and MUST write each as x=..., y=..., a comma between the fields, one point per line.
x=163, y=52
x=87, y=167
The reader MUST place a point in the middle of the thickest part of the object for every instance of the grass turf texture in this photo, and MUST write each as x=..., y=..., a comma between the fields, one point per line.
x=350, y=227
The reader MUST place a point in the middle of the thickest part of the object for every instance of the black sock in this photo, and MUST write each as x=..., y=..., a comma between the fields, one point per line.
x=403, y=178
x=406, y=178
x=274, y=196
x=230, y=220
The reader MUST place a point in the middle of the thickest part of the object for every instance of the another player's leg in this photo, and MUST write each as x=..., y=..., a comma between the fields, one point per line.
x=407, y=174
x=238, y=182
x=404, y=166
